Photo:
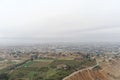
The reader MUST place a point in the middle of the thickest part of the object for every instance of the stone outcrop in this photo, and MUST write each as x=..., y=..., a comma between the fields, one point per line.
x=89, y=75
x=109, y=71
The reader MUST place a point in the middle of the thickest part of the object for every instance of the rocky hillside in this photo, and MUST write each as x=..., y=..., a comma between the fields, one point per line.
x=108, y=71
x=89, y=75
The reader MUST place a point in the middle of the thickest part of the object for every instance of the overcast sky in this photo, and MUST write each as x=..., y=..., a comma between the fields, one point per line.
x=28, y=21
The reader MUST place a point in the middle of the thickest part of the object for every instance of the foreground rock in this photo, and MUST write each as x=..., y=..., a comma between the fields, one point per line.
x=108, y=71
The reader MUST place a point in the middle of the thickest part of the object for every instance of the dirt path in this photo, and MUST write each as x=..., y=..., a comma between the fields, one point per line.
x=89, y=68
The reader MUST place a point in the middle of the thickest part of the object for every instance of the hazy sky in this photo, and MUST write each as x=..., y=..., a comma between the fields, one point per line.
x=28, y=21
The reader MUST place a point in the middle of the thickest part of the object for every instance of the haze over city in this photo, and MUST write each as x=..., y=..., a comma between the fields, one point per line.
x=35, y=21
x=59, y=39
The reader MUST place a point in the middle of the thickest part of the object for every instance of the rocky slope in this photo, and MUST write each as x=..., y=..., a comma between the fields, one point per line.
x=108, y=71
x=89, y=75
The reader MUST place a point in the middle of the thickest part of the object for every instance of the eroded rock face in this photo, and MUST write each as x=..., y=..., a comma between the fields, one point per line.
x=89, y=75
x=112, y=69
x=109, y=71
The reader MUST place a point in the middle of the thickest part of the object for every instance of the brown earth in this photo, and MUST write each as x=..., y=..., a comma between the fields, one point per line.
x=89, y=75
x=108, y=71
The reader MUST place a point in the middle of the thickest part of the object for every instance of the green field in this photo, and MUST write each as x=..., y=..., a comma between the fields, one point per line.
x=47, y=69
